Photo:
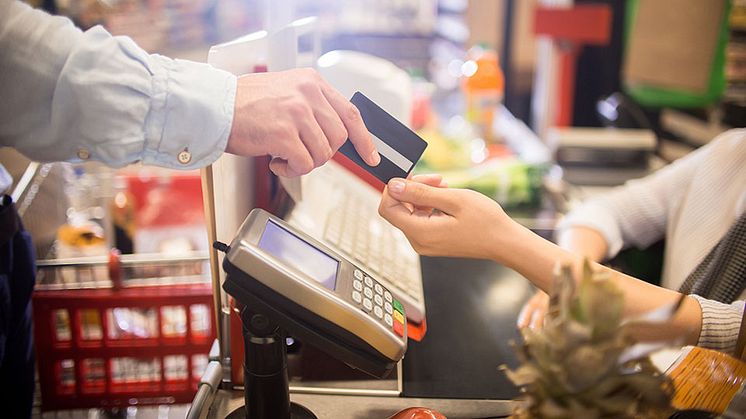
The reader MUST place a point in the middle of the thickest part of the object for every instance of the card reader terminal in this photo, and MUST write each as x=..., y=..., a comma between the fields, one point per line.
x=315, y=294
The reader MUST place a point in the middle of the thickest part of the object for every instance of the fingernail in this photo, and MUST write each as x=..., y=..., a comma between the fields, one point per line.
x=396, y=186
x=375, y=158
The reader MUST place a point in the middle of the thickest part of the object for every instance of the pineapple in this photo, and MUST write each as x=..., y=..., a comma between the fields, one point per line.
x=583, y=363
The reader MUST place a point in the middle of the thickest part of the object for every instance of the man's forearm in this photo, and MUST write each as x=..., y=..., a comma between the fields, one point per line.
x=73, y=95
x=33, y=51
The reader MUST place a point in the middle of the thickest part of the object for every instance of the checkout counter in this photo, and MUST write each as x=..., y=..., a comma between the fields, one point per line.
x=472, y=307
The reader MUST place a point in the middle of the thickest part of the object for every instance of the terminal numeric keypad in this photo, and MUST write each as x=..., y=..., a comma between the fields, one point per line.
x=377, y=300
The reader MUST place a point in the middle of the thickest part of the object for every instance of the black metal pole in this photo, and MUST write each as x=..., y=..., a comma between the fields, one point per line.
x=265, y=369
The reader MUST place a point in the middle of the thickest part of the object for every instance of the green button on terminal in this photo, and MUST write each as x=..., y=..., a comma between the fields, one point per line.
x=398, y=306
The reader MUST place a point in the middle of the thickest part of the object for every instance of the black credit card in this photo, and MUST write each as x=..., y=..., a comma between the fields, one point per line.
x=399, y=146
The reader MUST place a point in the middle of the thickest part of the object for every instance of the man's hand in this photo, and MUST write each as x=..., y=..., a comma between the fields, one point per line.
x=297, y=118
x=446, y=222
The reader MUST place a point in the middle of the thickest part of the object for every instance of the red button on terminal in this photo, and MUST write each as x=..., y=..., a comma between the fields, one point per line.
x=399, y=328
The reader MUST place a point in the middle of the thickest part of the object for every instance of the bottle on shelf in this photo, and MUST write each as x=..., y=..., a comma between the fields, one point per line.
x=483, y=86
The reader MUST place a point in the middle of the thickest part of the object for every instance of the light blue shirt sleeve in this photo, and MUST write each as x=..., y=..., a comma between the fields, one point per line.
x=68, y=95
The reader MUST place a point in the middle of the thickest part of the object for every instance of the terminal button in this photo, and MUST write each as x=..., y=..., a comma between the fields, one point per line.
x=378, y=300
x=358, y=285
x=368, y=292
x=398, y=307
x=368, y=281
x=379, y=289
x=388, y=308
x=378, y=311
x=398, y=317
x=368, y=304
x=358, y=274
x=387, y=296
x=357, y=297
x=399, y=328
x=388, y=319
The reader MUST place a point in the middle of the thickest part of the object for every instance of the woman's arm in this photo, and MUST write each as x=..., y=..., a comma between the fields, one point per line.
x=468, y=224
x=535, y=258
x=584, y=241
x=579, y=240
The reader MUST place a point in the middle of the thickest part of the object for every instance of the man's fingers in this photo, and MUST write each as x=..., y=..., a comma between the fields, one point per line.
x=315, y=141
x=280, y=167
x=292, y=159
x=353, y=122
x=327, y=120
x=330, y=123
x=422, y=195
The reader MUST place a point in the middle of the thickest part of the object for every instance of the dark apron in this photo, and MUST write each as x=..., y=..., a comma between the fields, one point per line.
x=17, y=278
x=721, y=276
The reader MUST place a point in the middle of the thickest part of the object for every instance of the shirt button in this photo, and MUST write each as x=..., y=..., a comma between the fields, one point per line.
x=84, y=154
x=185, y=156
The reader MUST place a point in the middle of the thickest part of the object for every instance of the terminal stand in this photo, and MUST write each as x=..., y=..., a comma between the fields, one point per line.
x=266, y=393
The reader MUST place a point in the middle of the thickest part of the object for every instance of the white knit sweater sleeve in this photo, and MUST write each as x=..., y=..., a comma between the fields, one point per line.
x=720, y=324
x=636, y=214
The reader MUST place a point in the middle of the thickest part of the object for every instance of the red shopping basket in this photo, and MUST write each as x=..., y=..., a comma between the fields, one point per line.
x=110, y=348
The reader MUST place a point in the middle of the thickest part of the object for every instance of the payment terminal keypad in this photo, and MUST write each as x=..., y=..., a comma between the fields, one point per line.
x=372, y=297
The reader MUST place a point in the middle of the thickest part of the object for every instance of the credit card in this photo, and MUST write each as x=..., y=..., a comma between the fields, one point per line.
x=400, y=148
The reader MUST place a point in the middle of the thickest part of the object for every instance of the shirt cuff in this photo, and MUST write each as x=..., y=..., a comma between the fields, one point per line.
x=596, y=217
x=721, y=324
x=191, y=114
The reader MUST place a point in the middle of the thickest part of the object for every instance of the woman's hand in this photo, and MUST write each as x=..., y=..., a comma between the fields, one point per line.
x=446, y=222
x=534, y=311
x=435, y=180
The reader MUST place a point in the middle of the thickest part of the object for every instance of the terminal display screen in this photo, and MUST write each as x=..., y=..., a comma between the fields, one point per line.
x=300, y=255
